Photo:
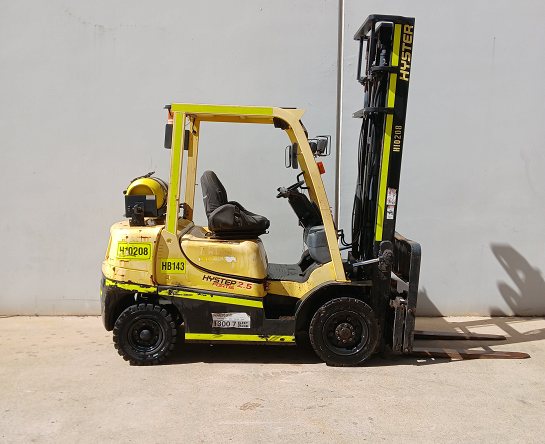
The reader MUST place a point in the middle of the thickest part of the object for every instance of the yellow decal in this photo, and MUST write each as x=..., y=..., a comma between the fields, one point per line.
x=231, y=284
x=173, y=266
x=406, y=51
x=385, y=161
x=131, y=287
x=221, y=109
x=134, y=250
x=234, y=337
x=212, y=298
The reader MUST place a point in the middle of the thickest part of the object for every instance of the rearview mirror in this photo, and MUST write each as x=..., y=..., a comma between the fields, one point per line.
x=290, y=156
x=320, y=145
x=168, y=137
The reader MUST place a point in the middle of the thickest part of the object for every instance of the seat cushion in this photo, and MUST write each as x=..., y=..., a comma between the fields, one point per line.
x=233, y=218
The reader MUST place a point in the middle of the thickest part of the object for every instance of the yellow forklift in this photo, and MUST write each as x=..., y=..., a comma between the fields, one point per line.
x=166, y=279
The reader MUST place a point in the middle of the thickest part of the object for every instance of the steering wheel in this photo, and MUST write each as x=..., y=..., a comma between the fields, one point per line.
x=285, y=192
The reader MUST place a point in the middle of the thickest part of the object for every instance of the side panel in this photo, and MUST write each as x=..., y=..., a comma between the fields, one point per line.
x=221, y=317
x=240, y=258
x=208, y=316
x=131, y=253
x=174, y=269
x=320, y=276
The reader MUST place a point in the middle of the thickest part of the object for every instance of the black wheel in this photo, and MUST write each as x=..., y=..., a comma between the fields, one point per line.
x=145, y=334
x=344, y=332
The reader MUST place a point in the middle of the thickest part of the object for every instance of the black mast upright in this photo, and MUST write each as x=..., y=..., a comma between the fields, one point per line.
x=384, y=67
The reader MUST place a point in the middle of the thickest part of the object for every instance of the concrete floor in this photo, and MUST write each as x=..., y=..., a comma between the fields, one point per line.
x=62, y=381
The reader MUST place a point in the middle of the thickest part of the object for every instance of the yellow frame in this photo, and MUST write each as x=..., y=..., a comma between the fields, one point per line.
x=191, y=115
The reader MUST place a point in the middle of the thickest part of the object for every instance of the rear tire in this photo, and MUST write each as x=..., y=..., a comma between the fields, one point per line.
x=344, y=332
x=145, y=334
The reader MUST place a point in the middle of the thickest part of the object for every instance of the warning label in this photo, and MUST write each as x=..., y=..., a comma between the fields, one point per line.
x=231, y=320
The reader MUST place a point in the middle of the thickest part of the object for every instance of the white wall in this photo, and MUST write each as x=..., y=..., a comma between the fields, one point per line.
x=82, y=87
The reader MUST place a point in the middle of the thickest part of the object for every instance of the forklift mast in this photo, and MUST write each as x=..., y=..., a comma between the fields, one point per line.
x=384, y=70
x=384, y=67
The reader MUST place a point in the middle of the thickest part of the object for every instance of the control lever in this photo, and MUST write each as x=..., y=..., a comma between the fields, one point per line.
x=285, y=192
x=282, y=192
x=385, y=259
x=367, y=262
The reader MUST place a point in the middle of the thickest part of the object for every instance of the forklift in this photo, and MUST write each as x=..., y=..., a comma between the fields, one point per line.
x=166, y=279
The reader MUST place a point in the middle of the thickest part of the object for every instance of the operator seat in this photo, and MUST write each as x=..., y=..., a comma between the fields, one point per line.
x=228, y=219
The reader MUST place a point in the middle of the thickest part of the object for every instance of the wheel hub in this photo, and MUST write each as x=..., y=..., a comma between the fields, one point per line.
x=145, y=335
x=345, y=332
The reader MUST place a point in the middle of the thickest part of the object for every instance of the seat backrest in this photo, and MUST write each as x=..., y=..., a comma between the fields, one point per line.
x=213, y=192
x=306, y=211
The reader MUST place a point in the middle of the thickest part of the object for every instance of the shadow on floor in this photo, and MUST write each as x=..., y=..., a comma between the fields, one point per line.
x=270, y=354
x=294, y=355
x=243, y=354
x=515, y=330
x=525, y=298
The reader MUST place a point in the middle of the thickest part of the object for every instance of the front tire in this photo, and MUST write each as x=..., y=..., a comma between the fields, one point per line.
x=145, y=334
x=344, y=332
